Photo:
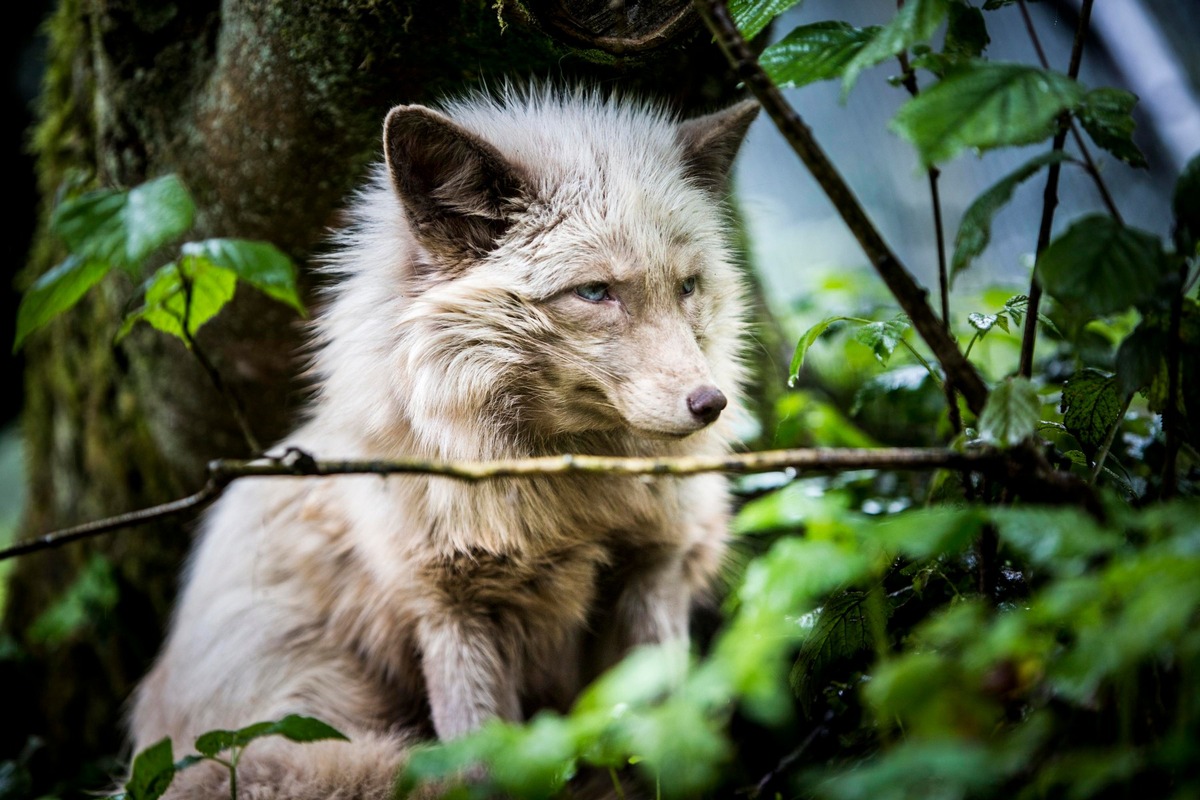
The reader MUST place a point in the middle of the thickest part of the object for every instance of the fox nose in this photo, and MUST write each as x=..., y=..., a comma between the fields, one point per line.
x=706, y=403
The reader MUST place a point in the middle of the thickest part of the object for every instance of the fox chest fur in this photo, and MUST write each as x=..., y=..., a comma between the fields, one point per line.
x=537, y=274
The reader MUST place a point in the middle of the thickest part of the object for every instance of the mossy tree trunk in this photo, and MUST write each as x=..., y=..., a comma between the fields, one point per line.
x=270, y=111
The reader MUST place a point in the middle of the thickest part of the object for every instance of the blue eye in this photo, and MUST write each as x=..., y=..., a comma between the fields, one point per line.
x=593, y=292
x=688, y=286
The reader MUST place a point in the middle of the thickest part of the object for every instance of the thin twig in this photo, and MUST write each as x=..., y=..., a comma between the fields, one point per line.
x=1085, y=13
x=910, y=83
x=1102, y=456
x=912, y=298
x=1050, y=196
x=211, y=491
x=296, y=463
x=214, y=375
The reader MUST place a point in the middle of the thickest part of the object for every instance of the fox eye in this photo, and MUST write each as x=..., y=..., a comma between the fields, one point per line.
x=688, y=286
x=593, y=292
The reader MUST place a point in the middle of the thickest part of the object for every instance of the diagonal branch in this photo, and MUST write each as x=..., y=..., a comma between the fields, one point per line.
x=911, y=297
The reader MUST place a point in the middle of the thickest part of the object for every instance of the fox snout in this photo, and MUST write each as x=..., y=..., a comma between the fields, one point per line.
x=706, y=403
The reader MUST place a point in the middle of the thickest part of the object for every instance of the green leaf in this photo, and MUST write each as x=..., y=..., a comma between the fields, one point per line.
x=808, y=340
x=294, y=727
x=1186, y=203
x=1098, y=266
x=915, y=22
x=166, y=305
x=975, y=229
x=842, y=631
x=1140, y=358
x=260, y=264
x=122, y=228
x=1090, y=406
x=55, y=292
x=1011, y=413
x=152, y=772
x=966, y=32
x=926, y=533
x=1106, y=116
x=1062, y=540
x=882, y=337
x=752, y=16
x=815, y=52
x=985, y=105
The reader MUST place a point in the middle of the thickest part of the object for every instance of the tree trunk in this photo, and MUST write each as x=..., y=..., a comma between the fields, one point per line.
x=270, y=111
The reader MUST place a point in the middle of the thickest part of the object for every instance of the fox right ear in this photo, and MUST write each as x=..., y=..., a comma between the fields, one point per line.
x=459, y=191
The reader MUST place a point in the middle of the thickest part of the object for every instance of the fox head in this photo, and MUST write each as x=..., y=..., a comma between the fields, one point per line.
x=556, y=266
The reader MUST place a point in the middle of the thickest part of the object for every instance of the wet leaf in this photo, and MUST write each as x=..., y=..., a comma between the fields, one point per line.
x=815, y=52
x=985, y=105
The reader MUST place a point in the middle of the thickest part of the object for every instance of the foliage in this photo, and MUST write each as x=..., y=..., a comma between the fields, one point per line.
x=154, y=768
x=110, y=228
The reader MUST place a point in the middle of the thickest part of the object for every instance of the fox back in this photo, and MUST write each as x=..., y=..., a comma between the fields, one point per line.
x=536, y=273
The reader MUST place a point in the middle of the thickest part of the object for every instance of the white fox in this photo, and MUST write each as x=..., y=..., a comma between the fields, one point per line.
x=537, y=273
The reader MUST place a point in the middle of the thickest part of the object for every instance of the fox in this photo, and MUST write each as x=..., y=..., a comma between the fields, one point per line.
x=526, y=272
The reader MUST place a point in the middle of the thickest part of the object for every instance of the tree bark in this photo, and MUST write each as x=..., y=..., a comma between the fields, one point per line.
x=270, y=111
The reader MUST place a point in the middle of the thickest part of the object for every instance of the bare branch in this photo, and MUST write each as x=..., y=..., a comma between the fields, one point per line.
x=911, y=297
x=297, y=463
x=1050, y=196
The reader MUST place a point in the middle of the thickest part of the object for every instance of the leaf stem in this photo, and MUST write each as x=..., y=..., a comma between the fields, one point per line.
x=908, y=293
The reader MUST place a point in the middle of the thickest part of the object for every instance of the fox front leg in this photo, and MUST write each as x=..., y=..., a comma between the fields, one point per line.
x=468, y=678
x=651, y=608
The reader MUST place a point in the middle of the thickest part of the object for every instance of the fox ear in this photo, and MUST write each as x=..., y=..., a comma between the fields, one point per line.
x=458, y=190
x=711, y=142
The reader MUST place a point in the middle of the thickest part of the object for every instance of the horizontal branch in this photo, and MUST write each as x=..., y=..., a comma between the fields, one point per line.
x=908, y=293
x=297, y=463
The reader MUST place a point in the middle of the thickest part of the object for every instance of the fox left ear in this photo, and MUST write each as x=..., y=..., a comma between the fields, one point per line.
x=711, y=142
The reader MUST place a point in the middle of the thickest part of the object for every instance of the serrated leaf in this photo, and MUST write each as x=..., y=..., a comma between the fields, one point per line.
x=1098, y=266
x=752, y=16
x=982, y=322
x=260, y=264
x=1011, y=414
x=1106, y=115
x=842, y=631
x=55, y=292
x=966, y=32
x=166, y=305
x=152, y=772
x=122, y=228
x=975, y=229
x=815, y=52
x=882, y=337
x=1186, y=203
x=985, y=105
x=1090, y=406
x=915, y=22
x=808, y=340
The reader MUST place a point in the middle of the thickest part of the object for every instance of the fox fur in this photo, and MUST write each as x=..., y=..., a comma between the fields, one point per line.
x=537, y=272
